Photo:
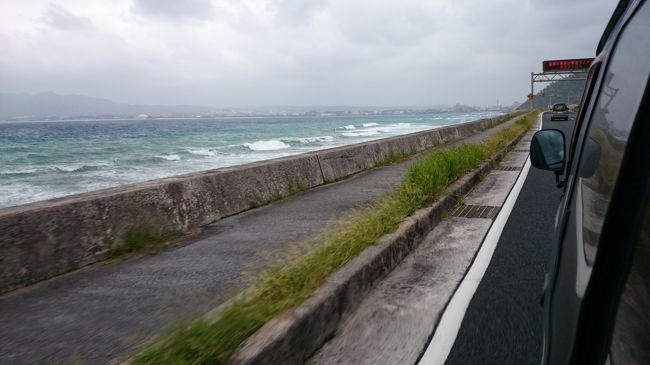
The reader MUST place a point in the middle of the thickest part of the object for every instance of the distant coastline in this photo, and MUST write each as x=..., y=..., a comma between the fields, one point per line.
x=54, y=107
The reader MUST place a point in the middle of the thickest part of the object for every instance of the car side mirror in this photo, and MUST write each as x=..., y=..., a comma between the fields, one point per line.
x=547, y=150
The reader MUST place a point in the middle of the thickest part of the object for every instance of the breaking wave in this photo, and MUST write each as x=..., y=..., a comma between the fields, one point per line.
x=270, y=145
x=201, y=152
x=170, y=157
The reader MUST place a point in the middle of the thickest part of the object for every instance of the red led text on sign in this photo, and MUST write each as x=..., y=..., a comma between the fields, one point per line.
x=567, y=65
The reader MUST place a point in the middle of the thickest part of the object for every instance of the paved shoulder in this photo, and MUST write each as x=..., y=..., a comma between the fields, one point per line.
x=503, y=324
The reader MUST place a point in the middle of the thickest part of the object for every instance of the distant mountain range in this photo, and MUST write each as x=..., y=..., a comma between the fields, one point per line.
x=53, y=106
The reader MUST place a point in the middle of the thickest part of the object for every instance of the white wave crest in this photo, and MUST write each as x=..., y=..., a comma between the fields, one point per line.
x=366, y=125
x=270, y=145
x=315, y=139
x=400, y=125
x=170, y=157
x=388, y=130
x=201, y=152
x=349, y=127
x=361, y=133
x=77, y=167
x=64, y=168
x=24, y=171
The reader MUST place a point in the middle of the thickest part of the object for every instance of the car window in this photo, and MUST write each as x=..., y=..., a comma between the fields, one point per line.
x=621, y=92
x=586, y=98
x=632, y=327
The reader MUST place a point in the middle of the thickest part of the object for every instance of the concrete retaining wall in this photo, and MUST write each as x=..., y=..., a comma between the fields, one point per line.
x=44, y=239
x=338, y=163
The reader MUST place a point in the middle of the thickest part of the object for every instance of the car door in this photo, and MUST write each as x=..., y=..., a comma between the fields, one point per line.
x=631, y=332
x=593, y=177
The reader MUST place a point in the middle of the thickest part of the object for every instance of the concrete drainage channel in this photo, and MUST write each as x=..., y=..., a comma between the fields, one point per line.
x=295, y=335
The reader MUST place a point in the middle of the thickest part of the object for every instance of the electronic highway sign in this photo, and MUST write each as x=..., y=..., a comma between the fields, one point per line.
x=568, y=65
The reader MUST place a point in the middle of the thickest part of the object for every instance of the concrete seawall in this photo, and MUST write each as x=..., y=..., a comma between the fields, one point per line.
x=45, y=239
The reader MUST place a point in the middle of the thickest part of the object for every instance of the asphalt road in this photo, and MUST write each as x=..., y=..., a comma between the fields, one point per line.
x=503, y=324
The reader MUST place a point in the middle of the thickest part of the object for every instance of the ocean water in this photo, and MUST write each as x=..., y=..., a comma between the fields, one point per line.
x=44, y=160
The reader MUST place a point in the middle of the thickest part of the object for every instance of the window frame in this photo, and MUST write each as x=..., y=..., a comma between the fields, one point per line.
x=621, y=228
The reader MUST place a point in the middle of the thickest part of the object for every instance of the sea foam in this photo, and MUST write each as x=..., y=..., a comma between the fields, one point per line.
x=270, y=145
x=201, y=152
x=18, y=172
x=77, y=168
x=312, y=139
x=170, y=157
x=374, y=129
x=361, y=133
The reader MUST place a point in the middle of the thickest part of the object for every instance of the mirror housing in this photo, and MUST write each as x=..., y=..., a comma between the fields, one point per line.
x=547, y=150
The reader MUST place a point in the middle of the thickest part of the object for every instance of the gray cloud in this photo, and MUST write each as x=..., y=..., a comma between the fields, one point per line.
x=175, y=9
x=59, y=18
x=264, y=52
x=296, y=12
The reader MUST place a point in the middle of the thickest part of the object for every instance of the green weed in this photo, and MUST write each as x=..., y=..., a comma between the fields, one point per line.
x=141, y=238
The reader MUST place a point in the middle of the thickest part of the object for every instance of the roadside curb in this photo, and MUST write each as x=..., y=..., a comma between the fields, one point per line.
x=295, y=335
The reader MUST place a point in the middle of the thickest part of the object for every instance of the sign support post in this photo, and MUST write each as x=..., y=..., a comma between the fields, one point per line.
x=559, y=70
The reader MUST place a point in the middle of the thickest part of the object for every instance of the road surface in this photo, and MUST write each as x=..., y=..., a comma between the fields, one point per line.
x=503, y=324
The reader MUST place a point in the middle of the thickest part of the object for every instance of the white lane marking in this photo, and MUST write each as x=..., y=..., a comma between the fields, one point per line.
x=449, y=325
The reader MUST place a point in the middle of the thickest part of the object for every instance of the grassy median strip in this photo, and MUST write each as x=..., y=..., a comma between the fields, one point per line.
x=288, y=286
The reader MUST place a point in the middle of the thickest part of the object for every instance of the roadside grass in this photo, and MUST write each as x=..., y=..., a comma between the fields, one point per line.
x=286, y=287
x=140, y=238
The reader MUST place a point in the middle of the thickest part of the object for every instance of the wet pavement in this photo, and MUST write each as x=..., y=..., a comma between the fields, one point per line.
x=107, y=310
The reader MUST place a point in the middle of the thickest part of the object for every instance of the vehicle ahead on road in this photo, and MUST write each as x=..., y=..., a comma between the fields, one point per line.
x=597, y=292
x=559, y=112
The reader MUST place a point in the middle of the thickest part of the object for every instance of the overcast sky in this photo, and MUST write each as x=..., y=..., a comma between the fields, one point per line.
x=291, y=52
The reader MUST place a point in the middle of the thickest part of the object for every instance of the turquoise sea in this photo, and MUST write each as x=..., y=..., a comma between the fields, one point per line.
x=44, y=160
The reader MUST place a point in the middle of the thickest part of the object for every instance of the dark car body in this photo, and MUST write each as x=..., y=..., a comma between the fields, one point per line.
x=559, y=112
x=597, y=292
